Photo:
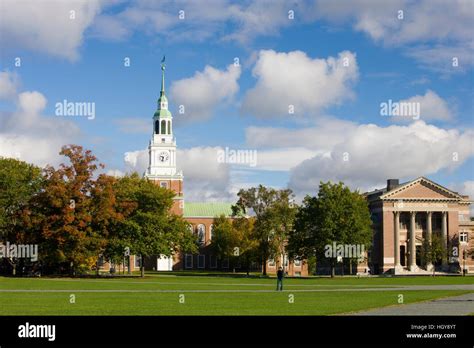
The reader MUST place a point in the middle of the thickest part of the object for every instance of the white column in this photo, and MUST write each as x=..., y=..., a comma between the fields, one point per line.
x=412, y=247
x=429, y=232
x=396, y=243
x=444, y=236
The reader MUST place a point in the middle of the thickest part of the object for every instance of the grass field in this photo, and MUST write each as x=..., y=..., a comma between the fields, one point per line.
x=213, y=295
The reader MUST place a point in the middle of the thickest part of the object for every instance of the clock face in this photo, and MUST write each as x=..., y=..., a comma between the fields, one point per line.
x=163, y=156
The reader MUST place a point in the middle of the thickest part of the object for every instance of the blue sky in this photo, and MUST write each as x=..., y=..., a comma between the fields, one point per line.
x=283, y=61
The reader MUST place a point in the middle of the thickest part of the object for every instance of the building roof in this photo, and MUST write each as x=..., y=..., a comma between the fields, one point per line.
x=207, y=209
x=454, y=195
x=384, y=194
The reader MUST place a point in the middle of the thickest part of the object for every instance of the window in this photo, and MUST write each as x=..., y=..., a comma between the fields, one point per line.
x=163, y=127
x=157, y=127
x=286, y=260
x=163, y=184
x=297, y=274
x=213, y=261
x=188, y=261
x=271, y=262
x=297, y=263
x=201, y=234
x=210, y=231
x=169, y=127
x=201, y=261
x=225, y=263
x=463, y=238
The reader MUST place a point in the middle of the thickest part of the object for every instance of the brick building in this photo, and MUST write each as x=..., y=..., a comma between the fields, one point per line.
x=405, y=215
x=163, y=171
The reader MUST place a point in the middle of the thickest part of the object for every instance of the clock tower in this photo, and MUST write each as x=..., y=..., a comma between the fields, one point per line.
x=162, y=151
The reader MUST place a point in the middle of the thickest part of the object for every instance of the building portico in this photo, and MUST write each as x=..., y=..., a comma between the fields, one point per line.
x=407, y=215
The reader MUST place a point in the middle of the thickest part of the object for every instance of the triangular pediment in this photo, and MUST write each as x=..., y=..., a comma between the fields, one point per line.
x=421, y=188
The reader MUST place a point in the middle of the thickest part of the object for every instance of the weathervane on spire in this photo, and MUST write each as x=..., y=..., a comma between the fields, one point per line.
x=162, y=76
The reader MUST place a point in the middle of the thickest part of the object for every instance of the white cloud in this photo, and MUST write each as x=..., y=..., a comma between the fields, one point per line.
x=326, y=133
x=432, y=107
x=204, y=91
x=204, y=178
x=444, y=58
x=115, y=172
x=465, y=188
x=376, y=153
x=30, y=136
x=433, y=31
x=422, y=20
x=46, y=27
x=294, y=79
x=263, y=17
x=136, y=161
x=282, y=159
x=218, y=19
x=8, y=85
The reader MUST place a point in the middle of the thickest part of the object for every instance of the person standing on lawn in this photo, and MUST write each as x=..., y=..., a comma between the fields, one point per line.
x=280, y=279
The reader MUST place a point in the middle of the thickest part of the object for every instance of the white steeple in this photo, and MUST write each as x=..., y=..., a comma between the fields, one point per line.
x=162, y=147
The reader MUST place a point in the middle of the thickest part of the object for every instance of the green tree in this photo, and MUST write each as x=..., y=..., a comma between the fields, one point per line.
x=282, y=213
x=148, y=227
x=337, y=215
x=224, y=240
x=244, y=229
x=269, y=228
x=234, y=239
x=433, y=251
x=19, y=182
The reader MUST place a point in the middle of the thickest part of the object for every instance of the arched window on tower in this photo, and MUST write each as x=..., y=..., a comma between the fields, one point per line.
x=169, y=127
x=157, y=127
x=163, y=127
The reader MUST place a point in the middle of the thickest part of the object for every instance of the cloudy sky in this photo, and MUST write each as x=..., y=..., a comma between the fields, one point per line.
x=300, y=82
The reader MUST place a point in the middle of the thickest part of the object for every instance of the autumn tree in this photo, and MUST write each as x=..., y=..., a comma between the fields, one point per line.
x=64, y=213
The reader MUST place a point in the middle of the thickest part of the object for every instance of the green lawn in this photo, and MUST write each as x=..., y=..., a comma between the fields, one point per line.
x=211, y=295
